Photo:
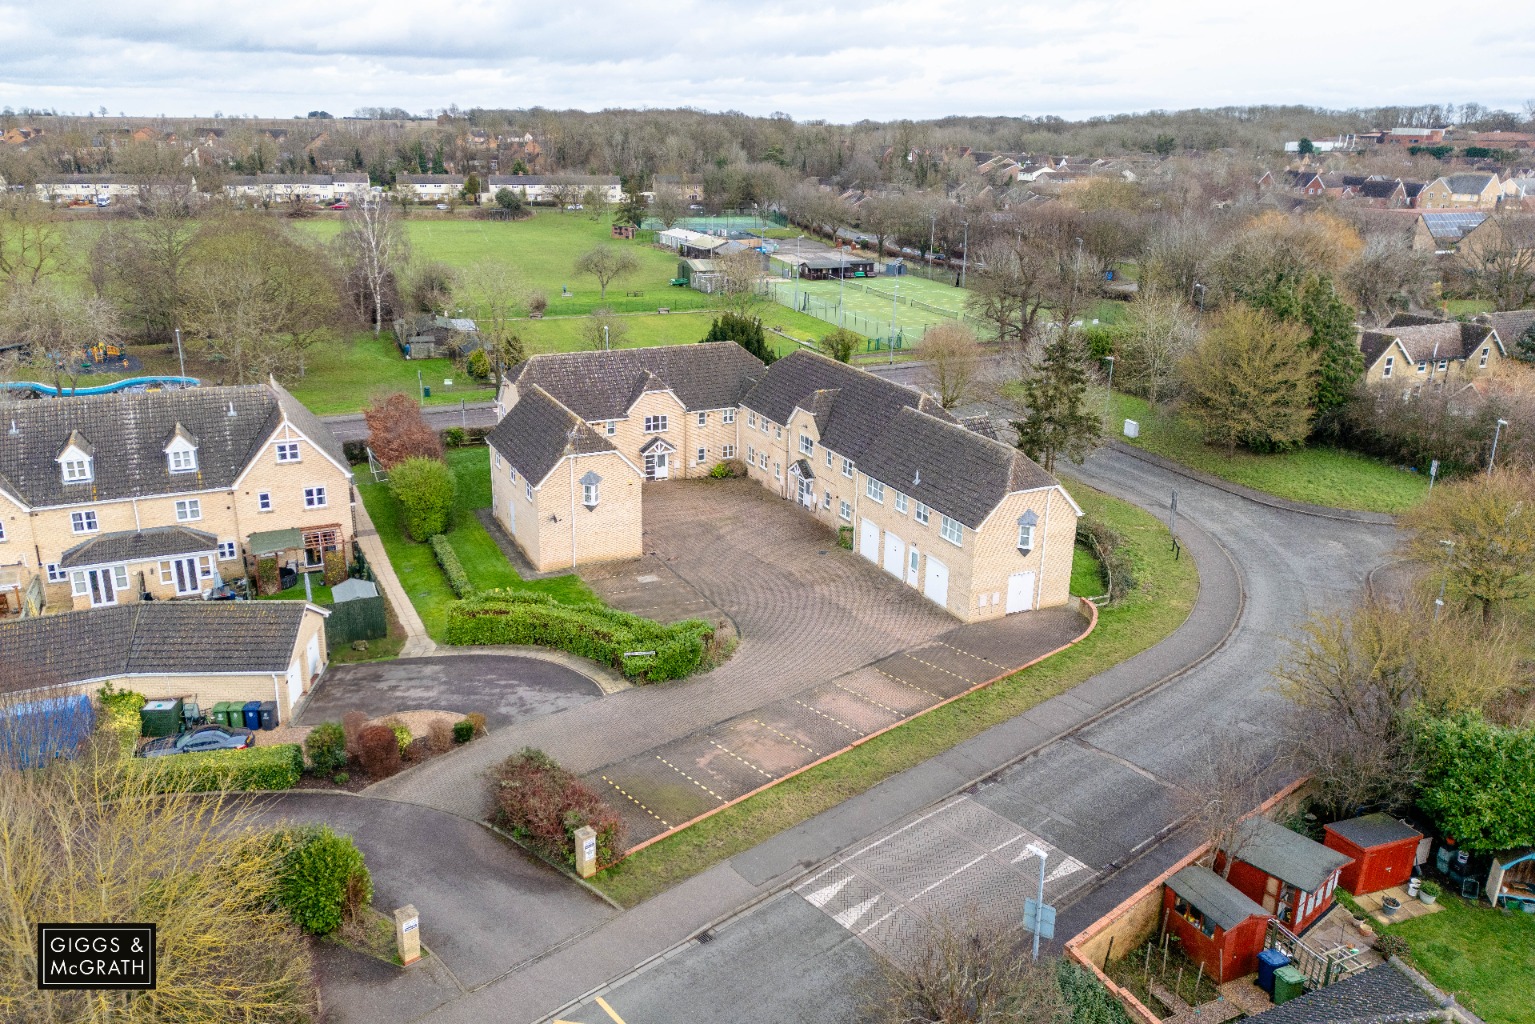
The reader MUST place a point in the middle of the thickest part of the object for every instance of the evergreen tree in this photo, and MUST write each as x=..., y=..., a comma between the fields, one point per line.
x=1057, y=420
x=1524, y=348
x=745, y=331
x=1329, y=320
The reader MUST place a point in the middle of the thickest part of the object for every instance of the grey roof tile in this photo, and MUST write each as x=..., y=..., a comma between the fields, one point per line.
x=603, y=385
x=1381, y=995
x=132, y=546
x=1370, y=830
x=151, y=637
x=536, y=433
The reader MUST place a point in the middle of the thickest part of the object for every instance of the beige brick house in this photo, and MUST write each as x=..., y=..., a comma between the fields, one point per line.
x=1413, y=351
x=1472, y=190
x=971, y=523
x=202, y=651
x=113, y=498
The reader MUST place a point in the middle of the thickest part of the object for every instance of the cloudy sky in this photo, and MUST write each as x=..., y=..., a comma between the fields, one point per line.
x=808, y=58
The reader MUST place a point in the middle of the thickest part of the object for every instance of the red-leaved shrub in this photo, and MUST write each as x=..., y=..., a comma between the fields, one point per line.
x=378, y=751
x=542, y=805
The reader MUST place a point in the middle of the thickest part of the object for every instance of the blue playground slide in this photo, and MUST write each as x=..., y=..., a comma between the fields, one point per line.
x=131, y=384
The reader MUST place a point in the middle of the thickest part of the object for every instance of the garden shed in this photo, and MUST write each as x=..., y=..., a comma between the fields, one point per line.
x=1291, y=876
x=1217, y=924
x=1511, y=879
x=1383, y=850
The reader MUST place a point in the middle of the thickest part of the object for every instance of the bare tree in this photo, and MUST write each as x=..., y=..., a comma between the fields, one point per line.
x=603, y=330
x=1500, y=263
x=669, y=206
x=33, y=242
x=971, y=968
x=1389, y=276
x=373, y=245
x=494, y=293
x=606, y=263
x=951, y=358
x=1226, y=782
x=740, y=277
x=564, y=191
x=1161, y=332
x=56, y=329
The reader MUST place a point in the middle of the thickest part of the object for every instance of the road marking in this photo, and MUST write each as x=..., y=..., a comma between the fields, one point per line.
x=821, y=897
x=775, y=732
x=850, y=916
x=636, y=803
x=871, y=700
x=904, y=682
x=972, y=654
x=829, y=718
x=938, y=668
x=690, y=778
x=609, y=1010
x=738, y=757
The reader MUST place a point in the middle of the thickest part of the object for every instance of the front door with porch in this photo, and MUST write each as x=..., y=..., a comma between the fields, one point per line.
x=657, y=464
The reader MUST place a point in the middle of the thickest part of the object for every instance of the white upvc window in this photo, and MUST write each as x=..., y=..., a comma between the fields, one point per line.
x=729, y=451
x=655, y=424
x=83, y=522
x=183, y=460
x=777, y=433
x=1025, y=537
x=1390, y=363
x=828, y=458
x=263, y=501
x=1444, y=364
x=703, y=455
x=847, y=467
x=727, y=416
x=762, y=459
x=703, y=419
x=287, y=451
x=777, y=471
x=751, y=420
x=77, y=471
x=228, y=549
x=826, y=500
x=589, y=495
x=1482, y=362
x=314, y=497
x=874, y=489
x=900, y=503
x=922, y=513
x=189, y=510
x=845, y=511
x=751, y=455
x=527, y=489
x=610, y=427
x=2, y=531
x=951, y=530
x=56, y=573
x=1423, y=366
x=806, y=444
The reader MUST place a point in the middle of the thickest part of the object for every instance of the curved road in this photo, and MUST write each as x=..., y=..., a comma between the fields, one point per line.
x=1101, y=799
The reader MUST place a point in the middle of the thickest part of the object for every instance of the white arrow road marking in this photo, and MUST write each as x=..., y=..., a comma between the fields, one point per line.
x=852, y=914
x=1068, y=867
x=821, y=897
x=1030, y=852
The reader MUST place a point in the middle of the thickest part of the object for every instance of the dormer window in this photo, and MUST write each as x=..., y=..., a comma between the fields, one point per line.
x=590, y=494
x=181, y=451
x=76, y=471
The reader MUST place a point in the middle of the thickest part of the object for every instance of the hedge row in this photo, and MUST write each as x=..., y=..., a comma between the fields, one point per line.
x=452, y=568
x=453, y=437
x=593, y=631
x=277, y=767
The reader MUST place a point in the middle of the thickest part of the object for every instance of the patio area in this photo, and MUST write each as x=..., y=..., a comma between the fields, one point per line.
x=1411, y=906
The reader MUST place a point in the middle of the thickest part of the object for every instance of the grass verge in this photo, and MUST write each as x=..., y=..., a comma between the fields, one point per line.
x=1150, y=613
x=1485, y=957
x=487, y=567
x=1316, y=475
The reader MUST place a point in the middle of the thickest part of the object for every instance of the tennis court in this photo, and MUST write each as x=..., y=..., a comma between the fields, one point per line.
x=866, y=305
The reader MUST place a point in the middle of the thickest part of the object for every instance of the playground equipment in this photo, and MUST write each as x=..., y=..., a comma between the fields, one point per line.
x=134, y=384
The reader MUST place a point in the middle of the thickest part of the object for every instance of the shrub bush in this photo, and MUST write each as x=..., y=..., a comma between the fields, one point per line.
x=278, y=767
x=378, y=751
x=267, y=576
x=402, y=735
x=326, y=747
x=476, y=722
x=455, y=437
x=720, y=471
x=537, y=303
x=425, y=489
x=335, y=568
x=322, y=878
x=463, y=731
x=593, y=631
x=478, y=365
x=441, y=736
x=542, y=805
x=353, y=722
x=1391, y=945
x=845, y=537
x=1109, y=546
x=452, y=568
x=341, y=778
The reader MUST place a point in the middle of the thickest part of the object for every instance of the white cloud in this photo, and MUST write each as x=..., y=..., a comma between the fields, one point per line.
x=886, y=59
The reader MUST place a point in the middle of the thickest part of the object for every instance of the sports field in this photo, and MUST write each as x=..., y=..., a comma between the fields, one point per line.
x=870, y=305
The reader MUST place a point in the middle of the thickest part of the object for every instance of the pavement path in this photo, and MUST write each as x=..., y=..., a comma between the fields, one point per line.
x=417, y=643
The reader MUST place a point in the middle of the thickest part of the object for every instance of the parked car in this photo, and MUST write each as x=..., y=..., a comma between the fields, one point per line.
x=340, y=206
x=202, y=739
x=575, y=206
x=442, y=206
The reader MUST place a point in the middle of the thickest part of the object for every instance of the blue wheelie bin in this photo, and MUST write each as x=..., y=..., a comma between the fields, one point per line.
x=1269, y=961
x=252, y=713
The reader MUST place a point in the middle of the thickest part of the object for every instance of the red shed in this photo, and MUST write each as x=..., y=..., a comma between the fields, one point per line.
x=1383, y=850
x=1292, y=877
x=1217, y=925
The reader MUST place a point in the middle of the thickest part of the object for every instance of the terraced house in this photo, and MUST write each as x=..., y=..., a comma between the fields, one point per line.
x=969, y=522
x=111, y=499
x=1412, y=351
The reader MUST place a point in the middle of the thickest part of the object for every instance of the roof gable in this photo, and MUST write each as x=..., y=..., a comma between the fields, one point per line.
x=538, y=432
x=604, y=385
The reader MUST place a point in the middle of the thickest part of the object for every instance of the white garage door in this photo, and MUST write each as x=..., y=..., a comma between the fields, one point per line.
x=1020, y=592
x=895, y=555
x=868, y=541
x=316, y=666
x=936, y=585
x=295, y=684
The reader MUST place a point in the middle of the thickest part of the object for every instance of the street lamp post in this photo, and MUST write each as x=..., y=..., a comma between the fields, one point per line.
x=1449, y=549
x=1496, y=431
x=964, y=256
x=894, y=297
x=1201, y=290
x=180, y=356
x=1108, y=398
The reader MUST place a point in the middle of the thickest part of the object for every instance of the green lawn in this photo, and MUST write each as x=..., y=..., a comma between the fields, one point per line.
x=296, y=593
x=1086, y=573
x=1484, y=957
x=1150, y=613
x=417, y=567
x=1320, y=476
x=565, y=334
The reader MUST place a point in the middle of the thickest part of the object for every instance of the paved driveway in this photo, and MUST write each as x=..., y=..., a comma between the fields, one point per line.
x=832, y=650
x=485, y=906
x=505, y=688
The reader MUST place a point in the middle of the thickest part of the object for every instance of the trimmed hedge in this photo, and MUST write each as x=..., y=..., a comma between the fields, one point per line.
x=278, y=767
x=322, y=878
x=542, y=804
x=452, y=568
x=593, y=631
